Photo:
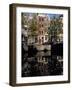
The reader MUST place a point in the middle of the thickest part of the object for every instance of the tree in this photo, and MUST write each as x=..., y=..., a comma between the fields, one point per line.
x=55, y=28
x=24, y=19
x=33, y=25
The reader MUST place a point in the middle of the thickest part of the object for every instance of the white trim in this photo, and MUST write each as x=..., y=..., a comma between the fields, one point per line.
x=63, y=77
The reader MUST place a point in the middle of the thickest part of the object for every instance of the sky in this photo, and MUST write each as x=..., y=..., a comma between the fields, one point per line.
x=48, y=14
x=54, y=15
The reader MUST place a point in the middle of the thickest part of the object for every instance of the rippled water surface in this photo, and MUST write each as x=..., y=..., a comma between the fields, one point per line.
x=41, y=64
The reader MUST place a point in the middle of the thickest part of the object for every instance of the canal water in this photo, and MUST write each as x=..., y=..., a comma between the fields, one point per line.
x=41, y=64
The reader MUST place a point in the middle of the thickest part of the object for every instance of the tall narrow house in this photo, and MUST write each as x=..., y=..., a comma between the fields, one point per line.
x=42, y=29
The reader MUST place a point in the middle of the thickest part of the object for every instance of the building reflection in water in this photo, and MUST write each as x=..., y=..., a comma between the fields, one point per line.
x=42, y=64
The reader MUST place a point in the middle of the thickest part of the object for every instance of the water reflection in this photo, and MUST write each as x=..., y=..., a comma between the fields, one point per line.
x=41, y=64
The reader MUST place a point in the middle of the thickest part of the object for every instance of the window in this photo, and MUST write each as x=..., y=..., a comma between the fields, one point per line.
x=39, y=40
x=42, y=25
x=36, y=40
x=39, y=25
x=42, y=19
x=39, y=32
x=45, y=37
x=39, y=18
x=42, y=32
x=42, y=39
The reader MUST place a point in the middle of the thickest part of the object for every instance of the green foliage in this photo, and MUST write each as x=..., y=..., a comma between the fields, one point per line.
x=33, y=25
x=55, y=28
